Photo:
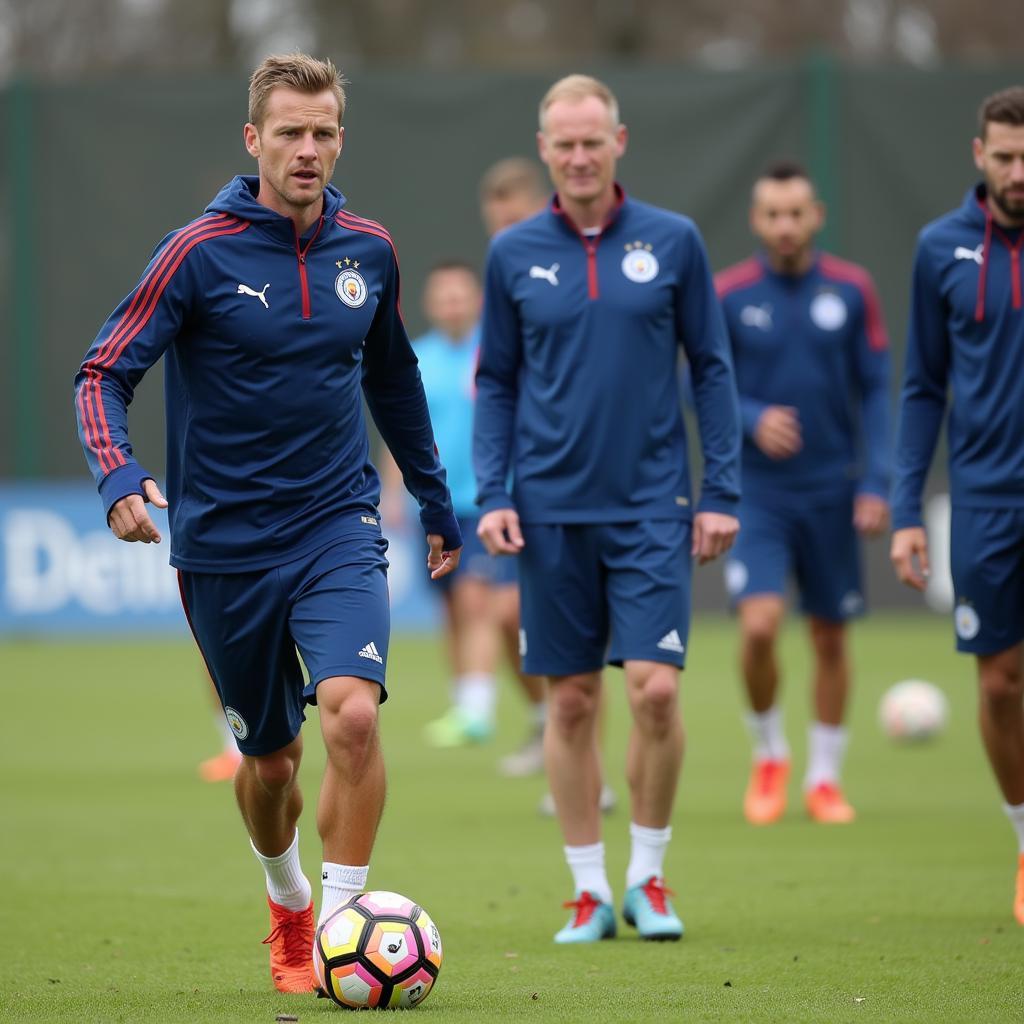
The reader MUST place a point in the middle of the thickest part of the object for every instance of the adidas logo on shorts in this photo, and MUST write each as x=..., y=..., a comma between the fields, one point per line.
x=671, y=642
x=370, y=651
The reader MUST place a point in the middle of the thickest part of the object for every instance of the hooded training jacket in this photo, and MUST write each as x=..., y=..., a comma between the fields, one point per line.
x=577, y=386
x=271, y=342
x=966, y=337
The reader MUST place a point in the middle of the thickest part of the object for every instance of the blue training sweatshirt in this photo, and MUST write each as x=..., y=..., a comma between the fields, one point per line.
x=271, y=341
x=817, y=342
x=966, y=337
x=577, y=387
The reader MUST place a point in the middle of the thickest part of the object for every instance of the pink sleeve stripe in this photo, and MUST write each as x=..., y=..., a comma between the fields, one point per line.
x=740, y=275
x=145, y=287
x=851, y=273
x=136, y=317
x=371, y=227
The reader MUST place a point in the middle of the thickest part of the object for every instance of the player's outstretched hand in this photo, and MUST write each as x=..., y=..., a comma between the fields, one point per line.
x=499, y=530
x=870, y=515
x=441, y=562
x=909, y=554
x=777, y=432
x=713, y=534
x=129, y=519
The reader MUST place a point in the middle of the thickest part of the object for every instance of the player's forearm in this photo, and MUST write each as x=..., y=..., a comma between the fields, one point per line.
x=920, y=422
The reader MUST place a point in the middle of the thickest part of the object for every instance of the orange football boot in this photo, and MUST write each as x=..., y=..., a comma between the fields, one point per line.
x=1018, y=899
x=220, y=768
x=765, y=799
x=291, y=948
x=827, y=805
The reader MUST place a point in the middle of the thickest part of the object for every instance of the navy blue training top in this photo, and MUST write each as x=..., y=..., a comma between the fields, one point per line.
x=577, y=387
x=815, y=341
x=965, y=340
x=271, y=341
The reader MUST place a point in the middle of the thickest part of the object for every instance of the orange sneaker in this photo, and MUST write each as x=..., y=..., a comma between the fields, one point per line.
x=827, y=805
x=291, y=948
x=1018, y=899
x=220, y=768
x=765, y=799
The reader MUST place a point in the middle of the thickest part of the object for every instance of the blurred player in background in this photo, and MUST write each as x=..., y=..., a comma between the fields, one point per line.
x=278, y=311
x=965, y=347
x=812, y=368
x=221, y=767
x=482, y=592
x=586, y=305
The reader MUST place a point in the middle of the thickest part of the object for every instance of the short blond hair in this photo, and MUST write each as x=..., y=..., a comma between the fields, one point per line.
x=578, y=87
x=296, y=71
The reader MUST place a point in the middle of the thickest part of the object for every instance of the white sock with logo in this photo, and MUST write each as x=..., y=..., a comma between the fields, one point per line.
x=766, y=730
x=477, y=696
x=647, y=853
x=826, y=747
x=287, y=886
x=588, y=874
x=341, y=883
x=1016, y=816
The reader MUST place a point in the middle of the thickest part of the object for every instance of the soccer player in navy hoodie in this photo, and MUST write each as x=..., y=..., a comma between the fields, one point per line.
x=277, y=312
x=964, y=348
x=812, y=368
x=587, y=306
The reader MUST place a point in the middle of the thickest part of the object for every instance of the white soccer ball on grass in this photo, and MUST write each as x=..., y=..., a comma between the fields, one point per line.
x=913, y=710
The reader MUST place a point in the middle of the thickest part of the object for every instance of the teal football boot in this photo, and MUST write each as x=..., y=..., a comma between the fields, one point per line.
x=647, y=908
x=592, y=920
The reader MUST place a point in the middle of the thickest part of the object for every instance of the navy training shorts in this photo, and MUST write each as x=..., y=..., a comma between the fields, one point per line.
x=986, y=560
x=597, y=593
x=332, y=605
x=817, y=546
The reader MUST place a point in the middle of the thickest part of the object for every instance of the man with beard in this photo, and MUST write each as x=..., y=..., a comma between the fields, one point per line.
x=965, y=339
x=812, y=368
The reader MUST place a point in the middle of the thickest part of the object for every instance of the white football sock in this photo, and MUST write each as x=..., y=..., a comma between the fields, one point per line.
x=477, y=696
x=767, y=733
x=826, y=747
x=587, y=866
x=647, y=853
x=341, y=883
x=287, y=886
x=1016, y=816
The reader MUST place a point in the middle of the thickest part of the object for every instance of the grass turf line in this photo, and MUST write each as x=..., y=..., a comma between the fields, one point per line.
x=130, y=894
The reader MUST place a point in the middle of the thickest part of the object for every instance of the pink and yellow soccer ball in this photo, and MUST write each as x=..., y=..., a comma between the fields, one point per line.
x=380, y=949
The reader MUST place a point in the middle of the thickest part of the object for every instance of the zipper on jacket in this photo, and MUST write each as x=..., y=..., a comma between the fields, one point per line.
x=300, y=255
x=590, y=245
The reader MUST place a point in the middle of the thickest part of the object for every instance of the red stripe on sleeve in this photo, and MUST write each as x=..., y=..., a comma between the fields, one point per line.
x=740, y=275
x=371, y=227
x=135, y=318
x=851, y=273
x=145, y=286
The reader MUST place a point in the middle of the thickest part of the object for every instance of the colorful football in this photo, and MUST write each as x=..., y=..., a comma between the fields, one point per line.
x=380, y=949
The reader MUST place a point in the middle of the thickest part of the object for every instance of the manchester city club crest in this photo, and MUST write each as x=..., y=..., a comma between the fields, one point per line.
x=351, y=288
x=237, y=723
x=966, y=620
x=828, y=311
x=640, y=264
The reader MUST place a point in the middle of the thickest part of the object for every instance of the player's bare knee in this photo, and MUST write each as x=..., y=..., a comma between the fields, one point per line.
x=759, y=629
x=572, y=707
x=1002, y=687
x=829, y=640
x=275, y=772
x=352, y=729
x=658, y=701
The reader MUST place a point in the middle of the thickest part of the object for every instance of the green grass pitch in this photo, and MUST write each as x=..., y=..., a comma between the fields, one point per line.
x=129, y=893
